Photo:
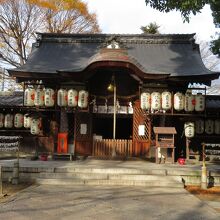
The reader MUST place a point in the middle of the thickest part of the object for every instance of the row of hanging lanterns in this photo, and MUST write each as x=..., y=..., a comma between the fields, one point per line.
x=158, y=101
x=19, y=120
x=200, y=126
x=46, y=97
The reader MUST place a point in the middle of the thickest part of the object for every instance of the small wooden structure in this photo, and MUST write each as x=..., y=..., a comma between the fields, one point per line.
x=164, y=140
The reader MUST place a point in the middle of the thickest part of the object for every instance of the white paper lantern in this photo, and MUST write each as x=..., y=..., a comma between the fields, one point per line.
x=209, y=126
x=200, y=126
x=8, y=122
x=2, y=120
x=27, y=121
x=83, y=99
x=35, y=126
x=189, y=128
x=217, y=126
x=199, y=102
x=18, y=120
x=29, y=94
x=49, y=97
x=179, y=100
x=155, y=101
x=166, y=100
x=189, y=105
x=145, y=100
x=72, y=98
x=39, y=97
x=62, y=98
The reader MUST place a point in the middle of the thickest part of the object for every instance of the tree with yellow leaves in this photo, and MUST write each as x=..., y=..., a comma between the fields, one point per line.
x=21, y=19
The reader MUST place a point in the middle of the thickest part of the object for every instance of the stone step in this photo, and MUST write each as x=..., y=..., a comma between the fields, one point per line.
x=112, y=182
x=100, y=176
x=73, y=175
x=162, y=172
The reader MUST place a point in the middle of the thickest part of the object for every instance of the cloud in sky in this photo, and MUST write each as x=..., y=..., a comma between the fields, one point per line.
x=127, y=16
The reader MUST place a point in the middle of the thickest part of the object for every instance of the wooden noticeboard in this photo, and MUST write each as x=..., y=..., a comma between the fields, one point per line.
x=164, y=140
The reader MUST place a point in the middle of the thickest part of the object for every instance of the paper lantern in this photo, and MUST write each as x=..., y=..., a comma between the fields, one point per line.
x=189, y=104
x=209, y=126
x=72, y=98
x=155, y=101
x=200, y=126
x=199, y=102
x=29, y=95
x=35, y=126
x=166, y=100
x=2, y=120
x=8, y=122
x=83, y=99
x=145, y=101
x=39, y=97
x=189, y=128
x=49, y=97
x=179, y=100
x=62, y=98
x=27, y=121
x=18, y=120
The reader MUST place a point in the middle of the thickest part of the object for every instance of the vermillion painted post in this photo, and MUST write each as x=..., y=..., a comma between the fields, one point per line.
x=204, y=170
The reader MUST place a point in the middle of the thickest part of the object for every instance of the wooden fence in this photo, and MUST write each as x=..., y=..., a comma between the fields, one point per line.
x=104, y=148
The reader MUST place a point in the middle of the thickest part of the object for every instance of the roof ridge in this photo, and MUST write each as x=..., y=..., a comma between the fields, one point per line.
x=147, y=36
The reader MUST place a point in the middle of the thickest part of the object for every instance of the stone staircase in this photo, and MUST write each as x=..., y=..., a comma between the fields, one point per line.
x=109, y=176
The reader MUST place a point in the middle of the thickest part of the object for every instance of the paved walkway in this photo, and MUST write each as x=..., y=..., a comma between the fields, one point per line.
x=92, y=163
x=101, y=202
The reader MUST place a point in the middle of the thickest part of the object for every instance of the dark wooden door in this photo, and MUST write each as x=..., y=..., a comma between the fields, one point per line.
x=141, y=143
x=83, y=134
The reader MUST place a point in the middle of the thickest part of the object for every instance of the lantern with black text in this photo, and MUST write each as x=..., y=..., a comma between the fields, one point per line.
x=62, y=98
x=83, y=99
x=72, y=98
x=35, y=126
x=155, y=101
x=27, y=121
x=200, y=126
x=49, y=97
x=189, y=105
x=179, y=100
x=1, y=120
x=29, y=94
x=189, y=128
x=145, y=100
x=199, y=102
x=166, y=100
x=18, y=120
x=39, y=97
x=209, y=126
x=8, y=122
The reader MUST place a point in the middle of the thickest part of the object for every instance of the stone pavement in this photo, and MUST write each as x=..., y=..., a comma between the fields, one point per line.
x=103, y=202
x=93, y=163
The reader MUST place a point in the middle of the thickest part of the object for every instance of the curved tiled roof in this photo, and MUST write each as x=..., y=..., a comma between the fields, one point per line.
x=175, y=55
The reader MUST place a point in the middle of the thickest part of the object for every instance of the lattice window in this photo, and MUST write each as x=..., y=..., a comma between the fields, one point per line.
x=141, y=118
